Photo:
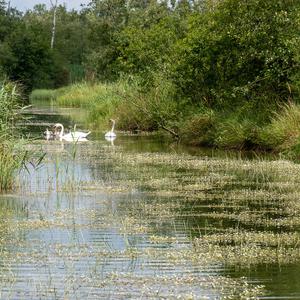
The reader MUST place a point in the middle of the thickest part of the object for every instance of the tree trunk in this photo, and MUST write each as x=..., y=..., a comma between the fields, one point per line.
x=54, y=7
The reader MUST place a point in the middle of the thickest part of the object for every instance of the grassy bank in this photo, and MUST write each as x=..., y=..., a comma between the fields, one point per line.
x=274, y=128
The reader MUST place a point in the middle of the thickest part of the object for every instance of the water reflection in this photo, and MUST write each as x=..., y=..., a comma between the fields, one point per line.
x=86, y=234
x=138, y=218
x=110, y=139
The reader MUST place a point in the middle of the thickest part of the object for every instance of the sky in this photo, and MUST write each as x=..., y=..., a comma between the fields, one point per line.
x=28, y=4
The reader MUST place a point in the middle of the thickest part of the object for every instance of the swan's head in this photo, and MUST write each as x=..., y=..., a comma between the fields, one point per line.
x=48, y=132
x=112, y=120
x=58, y=129
x=58, y=125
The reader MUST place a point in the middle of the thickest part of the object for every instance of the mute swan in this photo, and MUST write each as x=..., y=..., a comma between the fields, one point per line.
x=73, y=135
x=48, y=134
x=111, y=134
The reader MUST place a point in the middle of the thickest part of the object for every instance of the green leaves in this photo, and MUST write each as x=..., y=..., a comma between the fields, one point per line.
x=239, y=44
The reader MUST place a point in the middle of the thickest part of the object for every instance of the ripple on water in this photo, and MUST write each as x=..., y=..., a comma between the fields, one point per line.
x=100, y=222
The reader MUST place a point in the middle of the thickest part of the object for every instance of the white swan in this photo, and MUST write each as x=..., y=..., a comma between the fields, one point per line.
x=48, y=134
x=73, y=135
x=111, y=134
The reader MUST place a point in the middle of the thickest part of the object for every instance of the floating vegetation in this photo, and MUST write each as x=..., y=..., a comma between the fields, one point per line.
x=102, y=222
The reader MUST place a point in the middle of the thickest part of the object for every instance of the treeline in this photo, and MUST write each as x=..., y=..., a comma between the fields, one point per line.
x=213, y=71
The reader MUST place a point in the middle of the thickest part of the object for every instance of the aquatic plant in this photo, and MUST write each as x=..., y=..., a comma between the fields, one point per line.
x=9, y=97
x=13, y=155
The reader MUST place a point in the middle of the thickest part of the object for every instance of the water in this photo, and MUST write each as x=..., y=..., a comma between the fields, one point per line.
x=141, y=218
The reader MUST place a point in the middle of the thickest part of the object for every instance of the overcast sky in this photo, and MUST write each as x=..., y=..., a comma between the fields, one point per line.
x=28, y=4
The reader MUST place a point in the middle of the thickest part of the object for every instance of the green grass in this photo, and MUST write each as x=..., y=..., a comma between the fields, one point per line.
x=11, y=160
x=136, y=109
x=12, y=157
x=45, y=94
x=86, y=95
x=124, y=100
x=284, y=130
x=99, y=100
x=8, y=105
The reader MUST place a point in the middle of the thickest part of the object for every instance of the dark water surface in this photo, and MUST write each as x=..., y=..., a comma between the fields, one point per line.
x=140, y=218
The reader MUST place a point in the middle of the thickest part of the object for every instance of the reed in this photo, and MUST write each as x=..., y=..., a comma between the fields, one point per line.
x=8, y=105
x=99, y=101
x=284, y=130
x=11, y=160
x=42, y=94
x=12, y=157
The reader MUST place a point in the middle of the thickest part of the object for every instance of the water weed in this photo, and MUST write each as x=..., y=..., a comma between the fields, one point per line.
x=153, y=214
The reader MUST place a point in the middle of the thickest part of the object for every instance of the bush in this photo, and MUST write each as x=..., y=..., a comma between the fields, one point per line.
x=238, y=52
x=232, y=133
x=199, y=129
x=151, y=110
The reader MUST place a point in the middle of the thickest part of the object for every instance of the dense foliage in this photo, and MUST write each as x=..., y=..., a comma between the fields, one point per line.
x=206, y=69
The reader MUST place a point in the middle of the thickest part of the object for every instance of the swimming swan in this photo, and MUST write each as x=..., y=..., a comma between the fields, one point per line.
x=48, y=134
x=111, y=134
x=73, y=135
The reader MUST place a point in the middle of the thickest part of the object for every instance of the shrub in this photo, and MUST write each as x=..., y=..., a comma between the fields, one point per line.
x=199, y=129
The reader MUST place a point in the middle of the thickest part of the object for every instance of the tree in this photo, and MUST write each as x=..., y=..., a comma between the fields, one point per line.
x=239, y=52
x=106, y=19
x=32, y=59
x=54, y=8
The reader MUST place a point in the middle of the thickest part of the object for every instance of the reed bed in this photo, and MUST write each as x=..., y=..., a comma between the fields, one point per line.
x=45, y=94
x=11, y=158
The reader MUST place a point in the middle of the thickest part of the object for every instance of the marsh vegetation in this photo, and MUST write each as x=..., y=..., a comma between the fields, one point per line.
x=218, y=73
x=142, y=219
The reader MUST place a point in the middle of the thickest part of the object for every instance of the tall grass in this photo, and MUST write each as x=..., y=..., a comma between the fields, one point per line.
x=10, y=158
x=284, y=130
x=86, y=95
x=237, y=134
x=158, y=107
x=199, y=128
x=100, y=100
x=8, y=106
x=150, y=110
x=45, y=94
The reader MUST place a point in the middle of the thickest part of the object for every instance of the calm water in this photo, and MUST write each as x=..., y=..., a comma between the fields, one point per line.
x=141, y=218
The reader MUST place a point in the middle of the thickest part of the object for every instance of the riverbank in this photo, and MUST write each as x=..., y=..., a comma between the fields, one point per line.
x=271, y=128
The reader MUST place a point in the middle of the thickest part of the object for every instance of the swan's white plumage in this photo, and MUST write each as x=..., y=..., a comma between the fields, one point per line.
x=111, y=133
x=48, y=134
x=71, y=136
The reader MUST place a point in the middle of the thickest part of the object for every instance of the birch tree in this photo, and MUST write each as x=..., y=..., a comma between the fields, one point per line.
x=54, y=8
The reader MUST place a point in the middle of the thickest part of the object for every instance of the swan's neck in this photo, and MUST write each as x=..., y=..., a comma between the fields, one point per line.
x=113, y=127
x=61, y=134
